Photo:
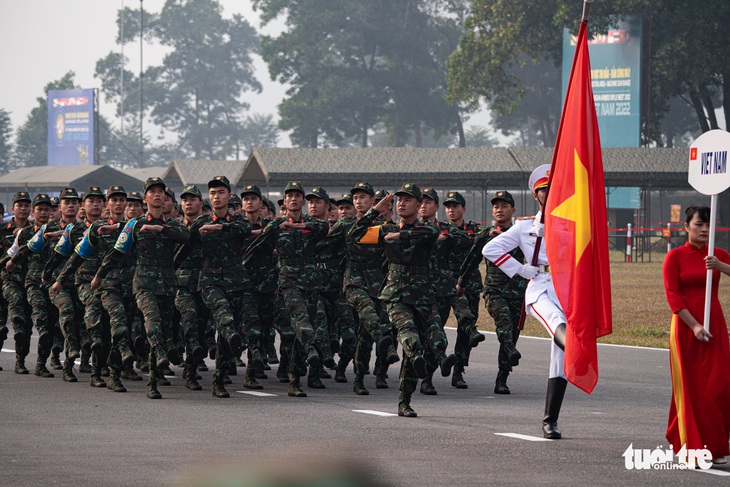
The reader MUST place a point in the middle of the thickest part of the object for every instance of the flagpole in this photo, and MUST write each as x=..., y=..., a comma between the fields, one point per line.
x=710, y=252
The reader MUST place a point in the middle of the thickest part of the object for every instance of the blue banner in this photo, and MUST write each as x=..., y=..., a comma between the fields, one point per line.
x=616, y=81
x=71, y=127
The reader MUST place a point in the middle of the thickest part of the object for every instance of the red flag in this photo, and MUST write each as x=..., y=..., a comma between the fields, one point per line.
x=576, y=230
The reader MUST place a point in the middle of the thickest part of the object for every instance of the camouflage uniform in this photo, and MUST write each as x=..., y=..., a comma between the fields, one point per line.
x=503, y=298
x=194, y=315
x=298, y=280
x=33, y=246
x=225, y=289
x=14, y=294
x=154, y=281
x=409, y=293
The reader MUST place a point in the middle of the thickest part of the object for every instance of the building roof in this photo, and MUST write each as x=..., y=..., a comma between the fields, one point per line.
x=467, y=167
x=198, y=172
x=50, y=179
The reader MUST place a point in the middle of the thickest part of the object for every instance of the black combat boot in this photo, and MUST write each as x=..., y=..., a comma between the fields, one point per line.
x=404, y=406
x=273, y=359
x=553, y=402
x=457, y=378
x=380, y=382
x=340, y=371
x=56, y=359
x=115, y=384
x=129, y=373
x=427, y=387
x=42, y=371
x=475, y=338
x=85, y=366
x=152, y=391
x=359, y=386
x=249, y=380
x=513, y=355
x=191, y=377
x=96, y=380
x=219, y=389
x=313, y=380
x=446, y=364
x=295, y=387
x=20, y=367
x=68, y=371
x=500, y=385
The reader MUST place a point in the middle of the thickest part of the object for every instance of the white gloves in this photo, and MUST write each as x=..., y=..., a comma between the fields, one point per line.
x=538, y=229
x=528, y=271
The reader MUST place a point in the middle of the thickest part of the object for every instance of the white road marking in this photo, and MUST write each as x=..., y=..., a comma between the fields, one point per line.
x=374, y=413
x=256, y=393
x=7, y=350
x=522, y=437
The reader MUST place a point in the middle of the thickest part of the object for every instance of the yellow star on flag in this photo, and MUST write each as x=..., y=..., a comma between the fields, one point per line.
x=577, y=208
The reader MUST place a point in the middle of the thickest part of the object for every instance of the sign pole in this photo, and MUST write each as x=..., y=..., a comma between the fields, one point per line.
x=710, y=252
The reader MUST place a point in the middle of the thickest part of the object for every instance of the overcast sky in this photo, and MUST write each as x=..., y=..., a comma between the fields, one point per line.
x=43, y=39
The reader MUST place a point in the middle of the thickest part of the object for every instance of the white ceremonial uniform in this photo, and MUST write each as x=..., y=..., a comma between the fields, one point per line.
x=541, y=302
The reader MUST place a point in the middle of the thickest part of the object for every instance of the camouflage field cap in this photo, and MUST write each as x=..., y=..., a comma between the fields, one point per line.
x=169, y=192
x=271, y=206
x=191, y=190
x=280, y=203
x=206, y=204
x=317, y=193
x=235, y=200
x=363, y=186
x=69, y=194
x=21, y=196
x=504, y=196
x=455, y=197
x=134, y=196
x=294, y=186
x=54, y=201
x=41, y=199
x=151, y=182
x=94, y=191
x=345, y=198
x=219, y=181
x=380, y=194
x=410, y=189
x=431, y=193
x=113, y=190
x=251, y=189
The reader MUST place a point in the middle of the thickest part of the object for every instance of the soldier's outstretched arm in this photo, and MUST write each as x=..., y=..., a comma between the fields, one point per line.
x=474, y=257
x=497, y=250
x=176, y=231
x=264, y=242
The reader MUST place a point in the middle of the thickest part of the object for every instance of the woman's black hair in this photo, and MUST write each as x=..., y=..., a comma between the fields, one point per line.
x=702, y=212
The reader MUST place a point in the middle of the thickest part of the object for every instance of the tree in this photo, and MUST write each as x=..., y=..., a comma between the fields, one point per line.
x=6, y=131
x=355, y=65
x=478, y=136
x=31, y=144
x=197, y=91
x=688, y=58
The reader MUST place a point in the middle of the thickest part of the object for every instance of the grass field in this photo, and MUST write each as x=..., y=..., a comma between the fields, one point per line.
x=640, y=311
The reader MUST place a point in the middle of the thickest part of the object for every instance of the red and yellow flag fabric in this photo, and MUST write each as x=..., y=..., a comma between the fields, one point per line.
x=576, y=230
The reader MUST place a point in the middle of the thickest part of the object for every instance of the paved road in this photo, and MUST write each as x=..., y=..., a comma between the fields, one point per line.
x=52, y=432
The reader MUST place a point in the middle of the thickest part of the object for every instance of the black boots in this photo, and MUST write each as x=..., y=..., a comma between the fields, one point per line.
x=553, y=401
x=404, y=406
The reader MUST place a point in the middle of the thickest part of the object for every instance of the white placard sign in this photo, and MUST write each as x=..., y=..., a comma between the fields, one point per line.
x=709, y=172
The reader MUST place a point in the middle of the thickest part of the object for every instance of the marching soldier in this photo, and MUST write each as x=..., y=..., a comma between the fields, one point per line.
x=154, y=237
x=14, y=295
x=408, y=291
x=503, y=295
x=294, y=239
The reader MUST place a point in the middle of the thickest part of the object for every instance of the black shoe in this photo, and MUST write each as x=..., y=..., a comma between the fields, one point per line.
x=140, y=346
x=329, y=362
x=105, y=371
x=85, y=367
x=128, y=373
x=513, y=356
x=3, y=333
x=226, y=380
x=272, y=358
x=20, y=368
x=419, y=366
x=323, y=374
x=340, y=375
x=553, y=402
x=259, y=374
x=220, y=391
x=427, y=388
x=56, y=363
x=152, y=392
x=239, y=362
x=162, y=381
x=313, y=358
x=252, y=383
x=457, y=380
x=475, y=338
x=115, y=384
x=256, y=361
x=42, y=371
x=68, y=376
x=173, y=356
x=315, y=383
x=202, y=367
x=168, y=371
x=447, y=364
x=295, y=389
x=501, y=388
x=266, y=365
x=380, y=382
x=96, y=381
x=550, y=430
x=192, y=383
x=359, y=388
x=404, y=407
